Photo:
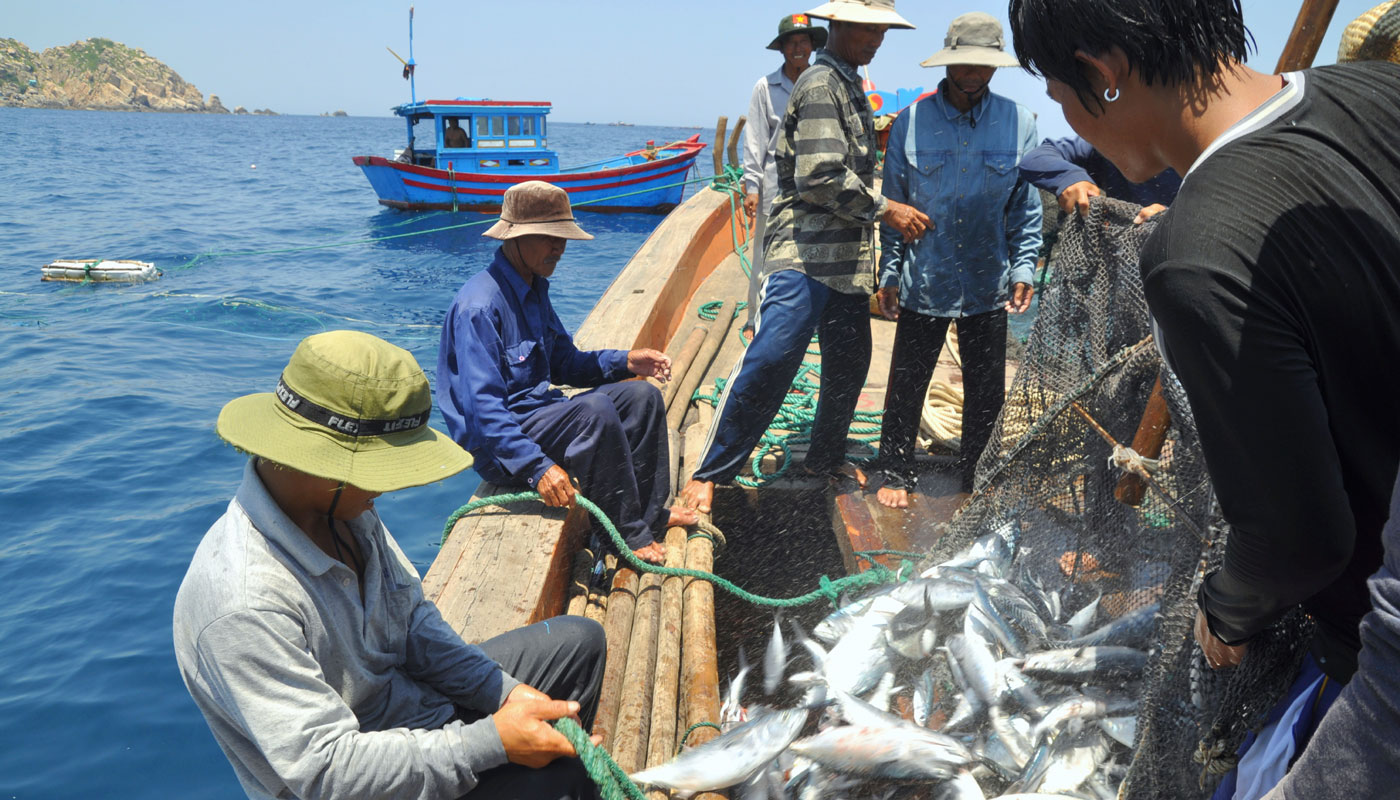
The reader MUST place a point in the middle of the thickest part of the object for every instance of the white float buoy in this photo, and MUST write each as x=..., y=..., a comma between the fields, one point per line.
x=99, y=269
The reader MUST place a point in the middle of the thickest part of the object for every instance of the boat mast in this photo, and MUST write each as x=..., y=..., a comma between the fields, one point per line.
x=412, y=80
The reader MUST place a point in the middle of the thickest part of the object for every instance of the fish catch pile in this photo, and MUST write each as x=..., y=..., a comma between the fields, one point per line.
x=1016, y=683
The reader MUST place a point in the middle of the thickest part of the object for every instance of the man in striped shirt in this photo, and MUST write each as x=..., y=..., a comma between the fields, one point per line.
x=819, y=256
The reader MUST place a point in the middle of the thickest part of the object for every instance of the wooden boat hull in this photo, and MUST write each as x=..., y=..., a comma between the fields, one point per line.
x=633, y=184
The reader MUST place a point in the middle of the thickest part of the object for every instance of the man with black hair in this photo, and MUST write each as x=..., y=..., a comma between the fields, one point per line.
x=1274, y=283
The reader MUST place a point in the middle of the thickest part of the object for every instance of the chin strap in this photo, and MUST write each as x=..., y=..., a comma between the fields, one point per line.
x=336, y=539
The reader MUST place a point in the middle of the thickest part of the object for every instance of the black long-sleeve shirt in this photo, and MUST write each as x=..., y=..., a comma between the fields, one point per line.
x=1275, y=280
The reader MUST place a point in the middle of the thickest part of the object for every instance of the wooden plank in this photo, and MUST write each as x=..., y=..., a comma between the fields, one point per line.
x=682, y=360
x=713, y=339
x=699, y=662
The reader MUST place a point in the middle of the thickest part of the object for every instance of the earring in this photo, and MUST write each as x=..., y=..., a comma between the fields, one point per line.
x=1112, y=98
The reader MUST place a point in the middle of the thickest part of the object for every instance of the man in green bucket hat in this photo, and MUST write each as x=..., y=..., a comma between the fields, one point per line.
x=301, y=629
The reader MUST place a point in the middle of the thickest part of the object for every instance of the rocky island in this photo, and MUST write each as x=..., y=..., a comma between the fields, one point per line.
x=97, y=74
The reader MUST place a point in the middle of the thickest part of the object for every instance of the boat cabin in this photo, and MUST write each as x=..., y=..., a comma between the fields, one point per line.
x=480, y=136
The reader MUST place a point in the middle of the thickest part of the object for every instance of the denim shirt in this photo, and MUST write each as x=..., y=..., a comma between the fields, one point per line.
x=502, y=347
x=960, y=169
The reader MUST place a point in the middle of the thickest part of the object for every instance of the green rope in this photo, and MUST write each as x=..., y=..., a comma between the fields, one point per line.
x=612, y=782
x=688, y=731
x=827, y=590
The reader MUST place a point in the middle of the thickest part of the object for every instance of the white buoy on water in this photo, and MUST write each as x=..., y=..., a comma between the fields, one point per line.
x=99, y=269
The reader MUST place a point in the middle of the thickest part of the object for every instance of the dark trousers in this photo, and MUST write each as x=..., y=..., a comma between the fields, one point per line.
x=613, y=440
x=790, y=306
x=564, y=658
x=918, y=340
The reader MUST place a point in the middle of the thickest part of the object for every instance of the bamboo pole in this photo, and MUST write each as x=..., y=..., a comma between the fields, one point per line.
x=1151, y=436
x=597, y=608
x=1308, y=31
x=701, y=365
x=699, y=660
x=632, y=733
x=680, y=365
x=666, y=679
x=734, y=141
x=719, y=144
x=622, y=601
x=579, y=582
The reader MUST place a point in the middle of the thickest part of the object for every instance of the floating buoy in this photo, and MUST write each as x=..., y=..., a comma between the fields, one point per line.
x=100, y=269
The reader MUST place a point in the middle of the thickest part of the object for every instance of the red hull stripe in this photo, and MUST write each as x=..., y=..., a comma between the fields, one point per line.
x=467, y=190
x=566, y=177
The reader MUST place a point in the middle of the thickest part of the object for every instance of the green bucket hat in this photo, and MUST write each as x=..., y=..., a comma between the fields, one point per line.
x=799, y=23
x=349, y=407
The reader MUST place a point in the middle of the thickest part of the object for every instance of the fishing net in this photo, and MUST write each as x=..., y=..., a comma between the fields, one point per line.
x=1048, y=481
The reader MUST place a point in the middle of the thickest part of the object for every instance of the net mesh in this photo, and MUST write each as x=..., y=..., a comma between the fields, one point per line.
x=1088, y=369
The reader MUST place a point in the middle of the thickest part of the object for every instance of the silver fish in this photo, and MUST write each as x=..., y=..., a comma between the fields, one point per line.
x=977, y=665
x=1080, y=664
x=774, y=660
x=856, y=662
x=923, y=698
x=1120, y=729
x=1133, y=629
x=962, y=787
x=730, y=758
x=731, y=711
x=1072, y=762
x=982, y=607
x=1078, y=707
x=902, y=752
x=1083, y=618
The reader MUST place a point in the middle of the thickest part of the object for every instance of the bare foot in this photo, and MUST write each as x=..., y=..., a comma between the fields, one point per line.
x=893, y=498
x=682, y=517
x=698, y=495
x=654, y=553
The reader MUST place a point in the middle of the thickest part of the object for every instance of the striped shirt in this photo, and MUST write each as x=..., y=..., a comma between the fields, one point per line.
x=823, y=220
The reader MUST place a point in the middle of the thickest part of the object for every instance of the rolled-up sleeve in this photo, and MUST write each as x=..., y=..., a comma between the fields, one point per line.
x=267, y=685
x=820, y=149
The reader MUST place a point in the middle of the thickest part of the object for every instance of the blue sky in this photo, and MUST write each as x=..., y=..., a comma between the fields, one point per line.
x=658, y=62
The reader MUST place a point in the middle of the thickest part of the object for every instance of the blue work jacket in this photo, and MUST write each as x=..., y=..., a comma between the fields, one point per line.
x=960, y=169
x=502, y=349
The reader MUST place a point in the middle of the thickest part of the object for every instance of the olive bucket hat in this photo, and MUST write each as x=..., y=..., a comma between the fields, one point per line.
x=973, y=39
x=798, y=23
x=536, y=207
x=349, y=407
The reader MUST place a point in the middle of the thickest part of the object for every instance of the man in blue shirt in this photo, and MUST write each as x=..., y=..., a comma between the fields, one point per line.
x=954, y=156
x=502, y=349
x=1073, y=171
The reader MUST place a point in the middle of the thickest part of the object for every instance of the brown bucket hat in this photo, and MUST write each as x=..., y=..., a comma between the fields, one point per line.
x=536, y=207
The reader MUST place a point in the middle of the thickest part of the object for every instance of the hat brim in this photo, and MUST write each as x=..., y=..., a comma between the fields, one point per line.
x=817, y=33
x=838, y=11
x=259, y=424
x=970, y=56
x=564, y=229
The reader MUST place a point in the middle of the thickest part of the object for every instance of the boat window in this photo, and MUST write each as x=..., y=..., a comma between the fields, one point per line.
x=527, y=126
x=513, y=125
x=498, y=126
x=483, y=126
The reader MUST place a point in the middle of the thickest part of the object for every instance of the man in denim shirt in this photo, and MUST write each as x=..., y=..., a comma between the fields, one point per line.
x=954, y=156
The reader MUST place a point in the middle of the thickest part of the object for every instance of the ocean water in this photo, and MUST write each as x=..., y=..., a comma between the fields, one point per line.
x=110, y=471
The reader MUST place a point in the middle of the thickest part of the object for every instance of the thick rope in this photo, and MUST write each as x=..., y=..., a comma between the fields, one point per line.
x=827, y=590
x=612, y=782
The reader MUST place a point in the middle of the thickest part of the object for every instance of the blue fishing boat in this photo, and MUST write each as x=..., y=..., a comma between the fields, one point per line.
x=481, y=147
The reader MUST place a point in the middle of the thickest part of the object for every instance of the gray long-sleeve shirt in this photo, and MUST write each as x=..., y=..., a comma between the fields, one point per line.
x=313, y=693
x=767, y=105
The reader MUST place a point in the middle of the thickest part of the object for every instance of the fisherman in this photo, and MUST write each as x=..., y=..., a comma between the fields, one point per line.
x=453, y=135
x=502, y=348
x=954, y=155
x=1273, y=282
x=819, y=257
x=796, y=39
x=1072, y=170
x=301, y=630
